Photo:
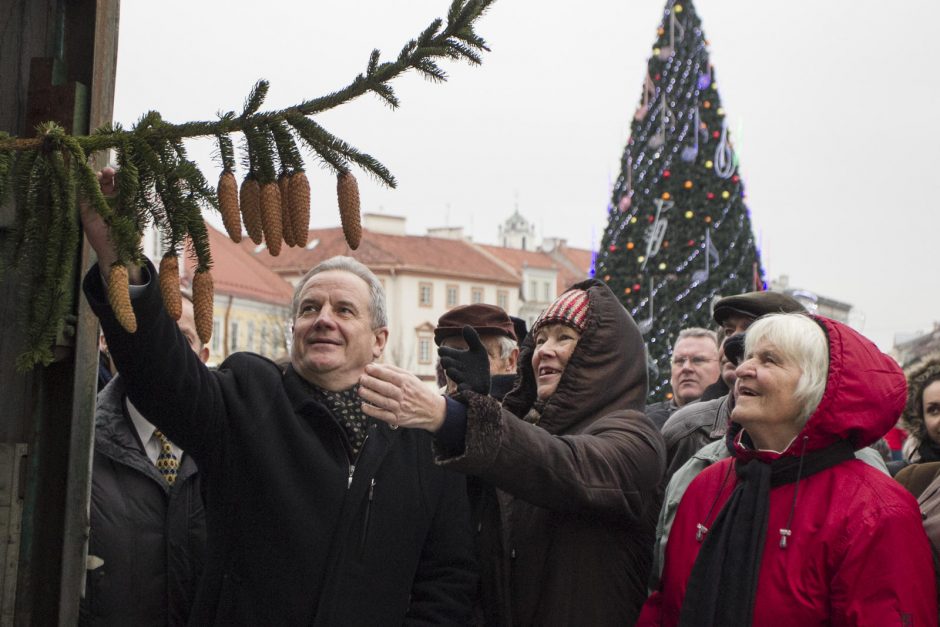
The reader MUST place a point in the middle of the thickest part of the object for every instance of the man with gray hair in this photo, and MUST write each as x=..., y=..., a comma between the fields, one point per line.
x=694, y=368
x=316, y=515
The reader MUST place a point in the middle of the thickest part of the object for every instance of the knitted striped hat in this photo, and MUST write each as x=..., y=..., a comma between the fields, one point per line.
x=570, y=308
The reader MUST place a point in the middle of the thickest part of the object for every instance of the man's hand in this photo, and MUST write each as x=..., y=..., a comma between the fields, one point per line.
x=469, y=369
x=397, y=397
x=99, y=234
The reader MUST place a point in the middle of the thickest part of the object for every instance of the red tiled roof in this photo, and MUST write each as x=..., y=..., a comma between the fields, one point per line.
x=518, y=258
x=235, y=272
x=382, y=251
x=577, y=267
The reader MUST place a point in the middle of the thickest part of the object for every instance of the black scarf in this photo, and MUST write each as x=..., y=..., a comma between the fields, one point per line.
x=722, y=587
x=929, y=450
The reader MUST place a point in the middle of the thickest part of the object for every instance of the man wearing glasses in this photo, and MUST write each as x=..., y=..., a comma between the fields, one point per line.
x=694, y=367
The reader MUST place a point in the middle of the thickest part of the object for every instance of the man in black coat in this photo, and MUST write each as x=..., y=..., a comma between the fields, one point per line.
x=148, y=525
x=315, y=513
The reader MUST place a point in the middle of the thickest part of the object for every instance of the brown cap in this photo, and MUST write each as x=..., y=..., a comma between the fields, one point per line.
x=755, y=305
x=485, y=319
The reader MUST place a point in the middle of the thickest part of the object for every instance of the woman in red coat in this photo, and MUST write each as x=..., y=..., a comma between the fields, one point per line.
x=792, y=530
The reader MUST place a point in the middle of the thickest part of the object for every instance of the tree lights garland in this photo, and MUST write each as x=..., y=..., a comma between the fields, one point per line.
x=668, y=266
x=161, y=186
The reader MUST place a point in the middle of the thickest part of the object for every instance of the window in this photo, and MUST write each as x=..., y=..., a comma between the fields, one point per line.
x=453, y=293
x=216, y=336
x=424, y=294
x=424, y=350
x=546, y=291
x=233, y=337
x=533, y=290
x=265, y=339
x=476, y=295
x=250, y=342
x=502, y=300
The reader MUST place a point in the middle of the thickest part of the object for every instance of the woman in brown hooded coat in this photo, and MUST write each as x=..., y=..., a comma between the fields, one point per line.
x=576, y=472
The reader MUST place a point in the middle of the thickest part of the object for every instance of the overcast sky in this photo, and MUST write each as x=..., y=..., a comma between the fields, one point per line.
x=832, y=105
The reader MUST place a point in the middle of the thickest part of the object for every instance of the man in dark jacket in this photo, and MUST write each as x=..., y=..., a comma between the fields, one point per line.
x=148, y=526
x=694, y=366
x=316, y=515
x=498, y=334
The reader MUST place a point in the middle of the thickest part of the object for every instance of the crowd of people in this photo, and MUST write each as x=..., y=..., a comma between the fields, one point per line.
x=535, y=486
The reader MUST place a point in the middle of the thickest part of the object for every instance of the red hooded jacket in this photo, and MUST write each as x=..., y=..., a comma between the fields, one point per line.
x=858, y=554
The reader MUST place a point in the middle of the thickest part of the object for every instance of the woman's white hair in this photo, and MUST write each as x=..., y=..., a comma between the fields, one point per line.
x=802, y=341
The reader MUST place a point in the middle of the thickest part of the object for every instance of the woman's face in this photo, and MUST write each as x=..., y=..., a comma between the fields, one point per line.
x=765, y=404
x=931, y=400
x=554, y=344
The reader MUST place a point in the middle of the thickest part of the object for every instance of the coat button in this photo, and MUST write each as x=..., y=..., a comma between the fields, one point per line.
x=512, y=554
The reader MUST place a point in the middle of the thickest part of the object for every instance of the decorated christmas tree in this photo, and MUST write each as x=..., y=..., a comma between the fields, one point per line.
x=679, y=233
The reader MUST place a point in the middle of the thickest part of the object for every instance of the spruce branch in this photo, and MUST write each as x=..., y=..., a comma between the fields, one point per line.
x=158, y=184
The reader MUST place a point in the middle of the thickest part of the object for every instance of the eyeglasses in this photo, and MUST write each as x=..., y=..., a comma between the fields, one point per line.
x=696, y=362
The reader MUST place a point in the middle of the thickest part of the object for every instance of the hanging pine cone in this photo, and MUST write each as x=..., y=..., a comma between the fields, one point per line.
x=271, y=217
x=228, y=205
x=347, y=192
x=299, y=201
x=202, y=304
x=283, y=186
x=251, y=208
x=119, y=296
x=170, y=285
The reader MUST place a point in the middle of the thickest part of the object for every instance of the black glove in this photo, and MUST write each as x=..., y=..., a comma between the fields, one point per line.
x=469, y=369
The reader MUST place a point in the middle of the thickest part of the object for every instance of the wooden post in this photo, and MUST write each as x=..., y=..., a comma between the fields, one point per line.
x=47, y=431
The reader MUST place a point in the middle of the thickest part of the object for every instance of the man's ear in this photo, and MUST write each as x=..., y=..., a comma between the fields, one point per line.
x=381, y=338
x=203, y=354
x=513, y=360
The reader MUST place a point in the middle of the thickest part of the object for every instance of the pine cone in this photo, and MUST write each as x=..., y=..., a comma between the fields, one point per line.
x=228, y=205
x=347, y=192
x=299, y=201
x=119, y=296
x=251, y=208
x=202, y=304
x=170, y=285
x=271, y=217
x=283, y=185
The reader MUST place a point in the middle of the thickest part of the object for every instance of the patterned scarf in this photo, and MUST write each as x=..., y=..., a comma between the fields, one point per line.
x=346, y=407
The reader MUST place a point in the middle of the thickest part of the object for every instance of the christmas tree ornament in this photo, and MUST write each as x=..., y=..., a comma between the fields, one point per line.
x=689, y=153
x=119, y=297
x=299, y=201
x=203, y=304
x=170, y=285
x=228, y=206
x=724, y=156
x=250, y=205
x=347, y=192
x=689, y=214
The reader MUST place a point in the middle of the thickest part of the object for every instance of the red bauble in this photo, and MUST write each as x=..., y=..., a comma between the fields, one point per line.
x=735, y=178
x=710, y=196
x=636, y=287
x=691, y=242
x=716, y=134
x=657, y=77
x=612, y=248
x=666, y=174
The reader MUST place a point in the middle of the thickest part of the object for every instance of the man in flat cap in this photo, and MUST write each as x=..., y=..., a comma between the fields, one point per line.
x=496, y=331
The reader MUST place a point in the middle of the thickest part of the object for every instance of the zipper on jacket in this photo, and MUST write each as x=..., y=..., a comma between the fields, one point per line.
x=365, y=524
x=352, y=466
